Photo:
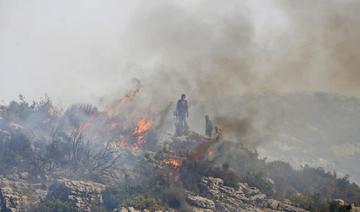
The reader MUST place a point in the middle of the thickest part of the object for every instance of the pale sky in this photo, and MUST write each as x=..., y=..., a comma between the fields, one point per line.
x=63, y=48
x=88, y=50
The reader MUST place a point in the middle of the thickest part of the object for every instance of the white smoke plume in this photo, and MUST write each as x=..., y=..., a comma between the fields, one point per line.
x=89, y=51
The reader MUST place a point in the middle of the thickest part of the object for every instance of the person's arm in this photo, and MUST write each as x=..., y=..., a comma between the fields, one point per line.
x=187, y=109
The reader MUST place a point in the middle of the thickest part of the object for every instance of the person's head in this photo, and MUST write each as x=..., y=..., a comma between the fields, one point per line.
x=183, y=96
x=206, y=117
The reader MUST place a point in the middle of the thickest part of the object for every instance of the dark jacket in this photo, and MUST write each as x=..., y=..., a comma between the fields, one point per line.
x=182, y=108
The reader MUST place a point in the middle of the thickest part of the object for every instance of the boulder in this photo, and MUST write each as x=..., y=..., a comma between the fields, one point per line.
x=241, y=198
x=201, y=202
x=131, y=209
x=355, y=209
x=17, y=195
x=82, y=194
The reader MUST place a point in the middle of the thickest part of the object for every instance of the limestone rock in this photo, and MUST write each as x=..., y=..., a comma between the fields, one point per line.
x=82, y=194
x=17, y=195
x=201, y=202
x=355, y=209
x=241, y=198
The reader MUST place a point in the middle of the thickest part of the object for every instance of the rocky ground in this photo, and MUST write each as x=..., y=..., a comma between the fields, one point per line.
x=20, y=193
x=19, y=196
x=218, y=197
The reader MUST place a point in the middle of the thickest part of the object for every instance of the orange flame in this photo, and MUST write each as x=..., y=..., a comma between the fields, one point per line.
x=143, y=126
x=174, y=163
x=135, y=139
x=114, y=108
x=123, y=144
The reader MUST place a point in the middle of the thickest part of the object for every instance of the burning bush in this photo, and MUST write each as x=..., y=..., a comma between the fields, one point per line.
x=123, y=152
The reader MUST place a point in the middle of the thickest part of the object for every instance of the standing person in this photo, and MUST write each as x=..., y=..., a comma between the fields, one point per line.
x=182, y=113
x=208, y=126
x=219, y=134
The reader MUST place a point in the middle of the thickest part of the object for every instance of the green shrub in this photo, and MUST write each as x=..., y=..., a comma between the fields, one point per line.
x=131, y=195
x=53, y=205
x=142, y=202
x=115, y=195
x=174, y=197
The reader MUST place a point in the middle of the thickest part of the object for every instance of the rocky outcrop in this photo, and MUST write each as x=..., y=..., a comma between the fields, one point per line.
x=18, y=195
x=81, y=194
x=200, y=202
x=341, y=205
x=355, y=209
x=215, y=196
x=218, y=197
x=131, y=209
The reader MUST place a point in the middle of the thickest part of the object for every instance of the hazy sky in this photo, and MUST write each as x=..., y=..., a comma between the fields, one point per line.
x=89, y=50
x=63, y=48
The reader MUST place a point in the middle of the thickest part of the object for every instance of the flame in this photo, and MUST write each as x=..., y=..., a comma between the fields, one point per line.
x=87, y=124
x=114, y=108
x=136, y=138
x=123, y=143
x=174, y=163
x=142, y=127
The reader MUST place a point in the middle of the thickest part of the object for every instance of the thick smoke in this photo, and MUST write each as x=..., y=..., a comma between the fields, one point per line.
x=211, y=50
x=206, y=49
x=89, y=51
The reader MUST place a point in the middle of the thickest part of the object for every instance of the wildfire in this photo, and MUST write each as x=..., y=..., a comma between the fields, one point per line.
x=142, y=126
x=87, y=124
x=123, y=143
x=134, y=139
x=174, y=163
x=114, y=108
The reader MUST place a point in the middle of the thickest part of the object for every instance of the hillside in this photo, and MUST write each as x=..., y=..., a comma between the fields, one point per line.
x=319, y=130
x=85, y=159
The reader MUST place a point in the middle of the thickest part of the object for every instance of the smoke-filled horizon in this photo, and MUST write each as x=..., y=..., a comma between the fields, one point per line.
x=90, y=51
x=108, y=52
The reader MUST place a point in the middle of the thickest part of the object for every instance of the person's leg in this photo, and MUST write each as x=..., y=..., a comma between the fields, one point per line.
x=186, y=126
x=181, y=124
x=177, y=127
